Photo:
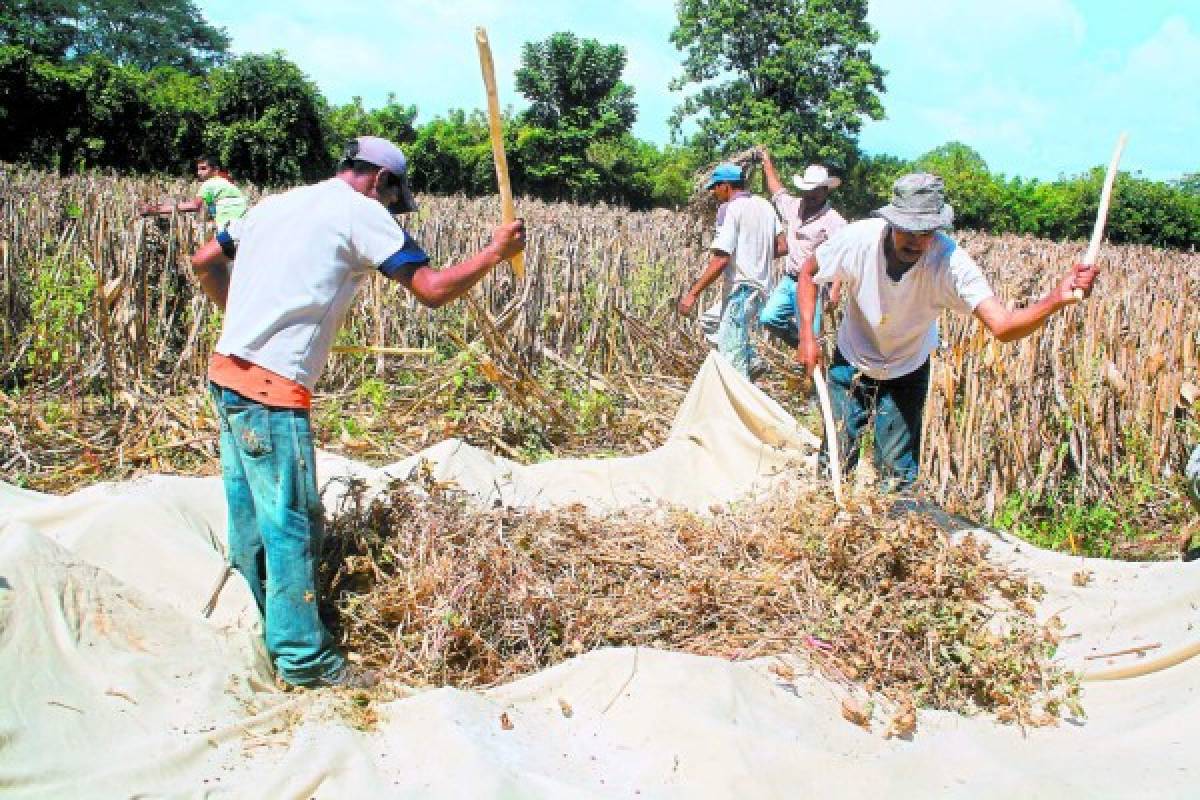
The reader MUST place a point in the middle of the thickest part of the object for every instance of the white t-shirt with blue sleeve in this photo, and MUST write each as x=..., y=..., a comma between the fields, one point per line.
x=300, y=258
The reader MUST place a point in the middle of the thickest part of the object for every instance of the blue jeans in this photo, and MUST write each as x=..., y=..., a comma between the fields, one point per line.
x=275, y=527
x=1192, y=473
x=779, y=314
x=898, y=405
x=733, y=334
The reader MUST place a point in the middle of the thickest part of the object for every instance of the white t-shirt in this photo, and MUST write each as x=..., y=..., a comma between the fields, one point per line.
x=890, y=327
x=301, y=257
x=746, y=230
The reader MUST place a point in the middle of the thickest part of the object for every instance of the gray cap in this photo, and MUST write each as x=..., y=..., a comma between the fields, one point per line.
x=918, y=204
x=383, y=153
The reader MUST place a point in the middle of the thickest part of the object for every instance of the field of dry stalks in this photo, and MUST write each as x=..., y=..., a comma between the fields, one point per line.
x=104, y=342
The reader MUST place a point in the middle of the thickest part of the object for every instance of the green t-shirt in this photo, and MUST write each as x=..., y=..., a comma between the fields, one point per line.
x=224, y=201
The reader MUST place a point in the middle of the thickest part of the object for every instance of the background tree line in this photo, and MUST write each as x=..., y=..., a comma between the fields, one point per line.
x=144, y=87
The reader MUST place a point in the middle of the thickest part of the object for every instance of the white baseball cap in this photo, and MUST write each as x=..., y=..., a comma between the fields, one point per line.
x=382, y=153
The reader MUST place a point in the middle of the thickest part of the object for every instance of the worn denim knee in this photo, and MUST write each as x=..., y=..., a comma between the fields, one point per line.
x=275, y=526
x=779, y=312
x=898, y=428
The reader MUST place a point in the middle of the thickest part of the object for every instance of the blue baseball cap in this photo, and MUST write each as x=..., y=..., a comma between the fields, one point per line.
x=724, y=173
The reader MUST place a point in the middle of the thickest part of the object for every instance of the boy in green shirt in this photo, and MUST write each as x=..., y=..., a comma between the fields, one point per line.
x=218, y=197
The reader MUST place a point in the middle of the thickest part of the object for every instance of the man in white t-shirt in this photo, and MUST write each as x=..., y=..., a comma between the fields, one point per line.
x=748, y=238
x=285, y=275
x=899, y=271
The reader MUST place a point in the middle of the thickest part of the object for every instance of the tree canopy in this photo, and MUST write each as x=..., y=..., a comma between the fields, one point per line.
x=794, y=74
x=976, y=196
x=271, y=125
x=165, y=33
x=577, y=100
x=270, y=121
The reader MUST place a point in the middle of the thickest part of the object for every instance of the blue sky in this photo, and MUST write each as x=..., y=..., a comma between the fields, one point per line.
x=1040, y=88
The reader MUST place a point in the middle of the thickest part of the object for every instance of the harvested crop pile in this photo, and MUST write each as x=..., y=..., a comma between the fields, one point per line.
x=435, y=591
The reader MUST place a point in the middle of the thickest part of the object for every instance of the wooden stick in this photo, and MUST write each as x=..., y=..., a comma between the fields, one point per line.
x=1102, y=213
x=1141, y=668
x=1129, y=651
x=366, y=350
x=835, y=461
x=507, y=212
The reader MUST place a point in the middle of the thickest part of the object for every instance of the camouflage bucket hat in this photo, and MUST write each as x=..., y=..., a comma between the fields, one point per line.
x=918, y=204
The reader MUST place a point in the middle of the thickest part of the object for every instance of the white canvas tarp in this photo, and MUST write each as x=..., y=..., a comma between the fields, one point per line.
x=114, y=684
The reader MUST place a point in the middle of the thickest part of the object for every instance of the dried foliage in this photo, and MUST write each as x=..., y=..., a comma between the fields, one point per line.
x=1097, y=405
x=101, y=317
x=436, y=592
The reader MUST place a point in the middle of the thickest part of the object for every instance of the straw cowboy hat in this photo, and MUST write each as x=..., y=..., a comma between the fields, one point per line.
x=815, y=175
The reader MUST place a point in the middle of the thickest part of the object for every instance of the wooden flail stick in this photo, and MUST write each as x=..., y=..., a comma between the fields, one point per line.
x=835, y=458
x=1102, y=213
x=507, y=211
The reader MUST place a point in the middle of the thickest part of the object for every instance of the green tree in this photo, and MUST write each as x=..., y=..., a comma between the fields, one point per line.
x=269, y=123
x=453, y=154
x=393, y=121
x=165, y=33
x=44, y=27
x=577, y=100
x=178, y=108
x=1152, y=212
x=95, y=113
x=970, y=188
x=38, y=101
x=639, y=175
x=796, y=75
x=867, y=184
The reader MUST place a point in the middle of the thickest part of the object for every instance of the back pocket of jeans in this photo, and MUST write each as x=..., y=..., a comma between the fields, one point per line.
x=251, y=428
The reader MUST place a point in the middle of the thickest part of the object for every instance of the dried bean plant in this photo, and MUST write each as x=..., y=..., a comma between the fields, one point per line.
x=435, y=592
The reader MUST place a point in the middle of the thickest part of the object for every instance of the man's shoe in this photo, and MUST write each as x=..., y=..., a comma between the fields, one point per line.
x=758, y=368
x=1191, y=548
x=349, y=676
x=352, y=676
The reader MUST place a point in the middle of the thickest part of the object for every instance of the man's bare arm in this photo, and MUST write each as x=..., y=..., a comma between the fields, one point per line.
x=436, y=287
x=774, y=185
x=717, y=262
x=781, y=245
x=183, y=207
x=1009, y=326
x=808, y=351
x=211, y=266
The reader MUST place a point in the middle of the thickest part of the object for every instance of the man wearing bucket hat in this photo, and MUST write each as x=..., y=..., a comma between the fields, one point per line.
x=749, y=237
x=810, y=221
x=899, y=271
x=285, y=274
